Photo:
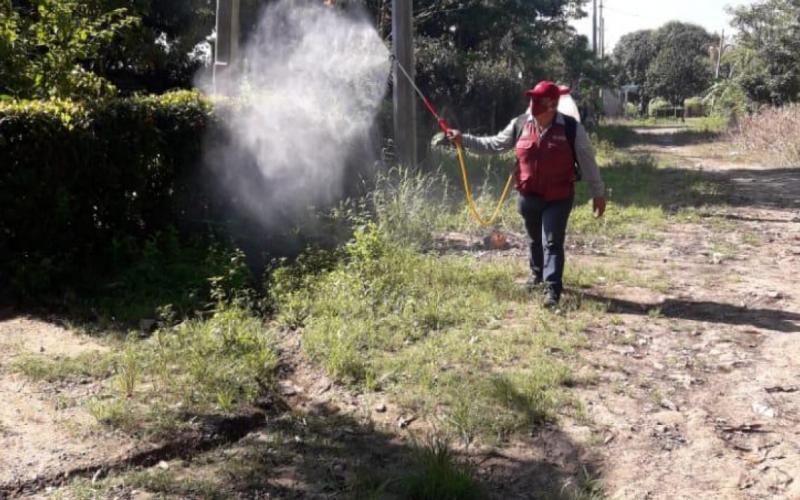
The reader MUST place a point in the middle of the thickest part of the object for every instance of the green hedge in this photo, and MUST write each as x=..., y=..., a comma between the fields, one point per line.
x=84, y=185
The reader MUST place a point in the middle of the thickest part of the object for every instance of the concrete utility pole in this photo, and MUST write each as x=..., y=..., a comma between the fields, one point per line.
x=405, y=116
x=602, y=31
x=594, y=26
x=226, y=48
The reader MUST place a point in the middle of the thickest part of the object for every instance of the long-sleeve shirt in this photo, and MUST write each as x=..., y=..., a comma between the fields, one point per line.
x=505, y=141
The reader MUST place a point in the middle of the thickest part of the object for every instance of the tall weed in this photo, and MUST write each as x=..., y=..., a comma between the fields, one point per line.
x=773, y=134
x=198, y=367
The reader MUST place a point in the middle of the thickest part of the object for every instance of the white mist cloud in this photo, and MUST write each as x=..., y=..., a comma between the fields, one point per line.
x=312, y=80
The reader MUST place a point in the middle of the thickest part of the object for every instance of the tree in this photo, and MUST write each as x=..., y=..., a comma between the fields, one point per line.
x=633, y=54
x=632, y=57
x=130, y=45
x=767, y=56
x=689, y=37
x=162, y=52
x=681, y=67
x=676, y=75
x=51, y=44
x=478, y=55
x=671, y=62
x=12, y=60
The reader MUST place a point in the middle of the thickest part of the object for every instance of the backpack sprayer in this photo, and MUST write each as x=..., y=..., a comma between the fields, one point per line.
x=473, y=208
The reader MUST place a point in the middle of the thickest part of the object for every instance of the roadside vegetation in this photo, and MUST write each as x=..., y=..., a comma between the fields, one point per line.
x=772, y=135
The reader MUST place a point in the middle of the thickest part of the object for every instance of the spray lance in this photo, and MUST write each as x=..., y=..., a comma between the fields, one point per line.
x=473, y=208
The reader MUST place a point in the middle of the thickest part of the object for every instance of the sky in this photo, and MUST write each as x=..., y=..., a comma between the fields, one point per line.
x=624, y=16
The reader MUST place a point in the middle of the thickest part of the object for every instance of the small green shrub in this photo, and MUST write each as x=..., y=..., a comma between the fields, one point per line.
x=658, y=107
x=695, y=107
x=727, y=100
x=218, y=363
x=413, y=205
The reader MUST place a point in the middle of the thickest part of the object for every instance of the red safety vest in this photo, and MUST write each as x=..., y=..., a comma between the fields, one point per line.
x=546, y=169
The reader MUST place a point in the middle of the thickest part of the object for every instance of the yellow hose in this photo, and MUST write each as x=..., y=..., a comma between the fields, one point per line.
x=473, y=209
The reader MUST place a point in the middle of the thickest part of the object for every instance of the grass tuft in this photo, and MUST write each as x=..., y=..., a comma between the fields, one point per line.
x=89, y=365
x=197, y=367
x=436, y=474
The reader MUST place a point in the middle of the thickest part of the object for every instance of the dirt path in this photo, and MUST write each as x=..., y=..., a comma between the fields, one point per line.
x=698, y=394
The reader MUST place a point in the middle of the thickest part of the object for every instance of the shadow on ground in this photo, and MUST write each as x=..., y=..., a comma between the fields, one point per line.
x=712, y=312
x=297, y=455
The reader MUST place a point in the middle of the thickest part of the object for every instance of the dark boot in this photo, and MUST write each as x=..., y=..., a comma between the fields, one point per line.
x=551, y=298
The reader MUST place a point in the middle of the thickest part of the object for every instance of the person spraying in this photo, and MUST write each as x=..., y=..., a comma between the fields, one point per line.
x=553, y=151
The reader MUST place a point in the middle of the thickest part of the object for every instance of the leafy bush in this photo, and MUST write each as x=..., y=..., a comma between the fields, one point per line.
x=728, y=100
x=84, y=185
x=658, y=107
x=773, y=135
x=694, y=107
x=48, y=52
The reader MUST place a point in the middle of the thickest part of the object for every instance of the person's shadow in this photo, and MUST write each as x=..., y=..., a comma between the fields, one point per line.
x=713, y=312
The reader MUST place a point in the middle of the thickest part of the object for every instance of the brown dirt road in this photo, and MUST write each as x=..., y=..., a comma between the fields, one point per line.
x=699, y=392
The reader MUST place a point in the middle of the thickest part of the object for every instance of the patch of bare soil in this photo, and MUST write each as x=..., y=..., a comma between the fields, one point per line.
x=43, y=429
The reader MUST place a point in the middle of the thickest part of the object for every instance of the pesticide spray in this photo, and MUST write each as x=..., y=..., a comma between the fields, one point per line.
x=311, y=83
x=309, y=88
